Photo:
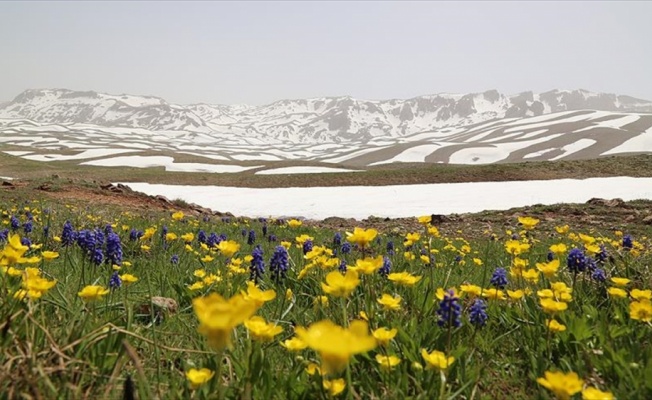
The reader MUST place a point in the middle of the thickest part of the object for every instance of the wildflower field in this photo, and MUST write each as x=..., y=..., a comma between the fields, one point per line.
x=98, y=303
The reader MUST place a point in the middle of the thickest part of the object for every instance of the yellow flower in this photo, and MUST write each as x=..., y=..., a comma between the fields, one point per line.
x=551, y=306
x=207, y=258
x=49, y=255
x=437, y=359
x=218, y=316
x=384, y=335
x=555, y=326
x=494, y=294
x=531, y=275
x=561, y=291
x=294, y=223
x=199, y=273
x=562, y=229
x=441, y=292
x=261, y=329
x=425, y=259
x=228, y=248
x=411, y=238
x=515, y=294
x=92, y=292
x=368, y=265
x=528, y=222
x=294, y=344
x=586, y=239
x=339, y=285
x=558, y=248
x=145, y=247
x=288, y=294
x=257, y=296
x=472, y=290
x=617, y=292
x=549, y=269
x=425, y=220
x=196, y=286
x=149, y=233
x=128, y=279
x=320, y=301
x=641, y=310
x=198, y=377
x=212, y=278
x=56, y=239
x=302, y=239
x=387, y=363
x=592, y=249
x=334, y=386
x=477, y=262
x=336, y=345
x=178, y=216
x=170, y=236
x=514, y=247
x=286, y=244
x=409, y=256
x=361, y=237
x=312, y=369
x=188, y=237
x=562, y=385
x=592, y=393
x=620, y=281
x=403, y=278
x=390, y=303
x=638, y=294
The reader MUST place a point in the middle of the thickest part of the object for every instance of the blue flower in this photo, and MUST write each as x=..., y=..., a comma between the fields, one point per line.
x=307, y=246
x=386, y=268
x=264, y=228
x=3, y=235
x=598, y=275
x=346, y=248
x=499, y=278
x=576, y=261
x=628, y=242
x=113, y=249
x=25, y=241
x=478, y=313
x=201, y=236
x=278, y=265
x=337, y=239
x=550, y=256
x=602, y=256
x=174, y=259
x=251, y=239
x=390, y=248
x=15, y=223
x=272, y=238
x=449, y=311
x=28, y=227
x=135, y=234
x=257, y=267
x=342, y=268
x=86, y=240
x=213, y=240
x=68, y=235
x=115, y=281
x=97, y=256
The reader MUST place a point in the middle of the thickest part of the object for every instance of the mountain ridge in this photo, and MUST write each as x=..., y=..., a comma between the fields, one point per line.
x=338, y=119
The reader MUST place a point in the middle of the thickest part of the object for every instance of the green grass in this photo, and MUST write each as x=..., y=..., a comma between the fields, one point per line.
x=59, y=346
x=392, y=174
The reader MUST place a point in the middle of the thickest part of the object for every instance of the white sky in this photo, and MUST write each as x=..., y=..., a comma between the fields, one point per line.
x=259, y=52
x=399, y=200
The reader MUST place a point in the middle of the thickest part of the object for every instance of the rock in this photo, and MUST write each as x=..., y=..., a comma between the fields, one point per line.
x=163, y=199
x=647, y=220
x=158, y=307
x=607, y=203
x=7, y=183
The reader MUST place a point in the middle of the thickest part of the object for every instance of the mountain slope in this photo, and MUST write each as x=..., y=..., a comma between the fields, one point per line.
x=319, y=120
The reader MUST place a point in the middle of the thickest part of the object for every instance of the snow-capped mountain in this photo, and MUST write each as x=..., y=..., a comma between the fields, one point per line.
x=318, y=120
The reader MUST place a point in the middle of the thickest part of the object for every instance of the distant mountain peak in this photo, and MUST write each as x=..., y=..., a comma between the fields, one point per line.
x=322, y=119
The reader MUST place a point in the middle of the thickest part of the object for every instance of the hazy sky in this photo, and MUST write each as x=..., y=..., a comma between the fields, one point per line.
x=258, y=52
